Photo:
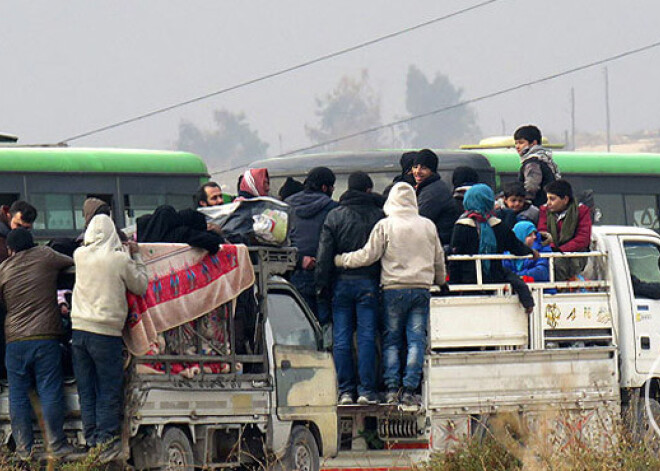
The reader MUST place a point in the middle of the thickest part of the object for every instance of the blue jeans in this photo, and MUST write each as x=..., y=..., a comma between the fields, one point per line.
x=35, y=364
x=355, y=304
x=98, y=366
x=303, y=281
x=406, y=311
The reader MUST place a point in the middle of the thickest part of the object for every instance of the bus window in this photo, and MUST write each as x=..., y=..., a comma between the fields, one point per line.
x=642, y=211
x=611, y=208
x=139, y=205
x=58, y=211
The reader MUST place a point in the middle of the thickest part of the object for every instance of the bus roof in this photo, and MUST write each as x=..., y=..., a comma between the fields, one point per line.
x=89, y=160
x=508, y=161
x=369, y=161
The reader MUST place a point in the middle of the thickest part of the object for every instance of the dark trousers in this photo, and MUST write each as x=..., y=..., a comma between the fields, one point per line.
x=35, y=364
x=98, y=366
x=355, y=309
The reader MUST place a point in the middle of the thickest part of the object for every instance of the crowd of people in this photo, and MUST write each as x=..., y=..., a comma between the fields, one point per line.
x=366, y=264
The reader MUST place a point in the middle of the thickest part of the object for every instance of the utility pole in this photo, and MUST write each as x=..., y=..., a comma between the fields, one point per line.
x=572, y=118
x=607, y=109
x=503, y=127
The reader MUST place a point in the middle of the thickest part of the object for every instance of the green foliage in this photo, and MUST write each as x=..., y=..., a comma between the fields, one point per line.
x=448, y=129
x=231, y=143
x=351, y=107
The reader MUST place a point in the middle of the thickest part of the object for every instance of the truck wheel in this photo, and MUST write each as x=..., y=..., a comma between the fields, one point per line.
x=177, y=453
x=302, y=453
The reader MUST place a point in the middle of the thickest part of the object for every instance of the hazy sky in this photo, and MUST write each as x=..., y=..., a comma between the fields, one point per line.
x=69, y=67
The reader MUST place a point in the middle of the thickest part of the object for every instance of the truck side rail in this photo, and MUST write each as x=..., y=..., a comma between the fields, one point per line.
x=482, y=286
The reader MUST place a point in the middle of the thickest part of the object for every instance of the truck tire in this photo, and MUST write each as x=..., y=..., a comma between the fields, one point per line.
x=302, y=453
x=644, y=429
x=176, y=453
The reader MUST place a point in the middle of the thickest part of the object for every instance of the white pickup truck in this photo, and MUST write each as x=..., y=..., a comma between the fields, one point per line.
x=582, y=357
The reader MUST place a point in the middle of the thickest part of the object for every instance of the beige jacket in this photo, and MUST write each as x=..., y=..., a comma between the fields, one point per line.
x=406, y=244
x=103, y=274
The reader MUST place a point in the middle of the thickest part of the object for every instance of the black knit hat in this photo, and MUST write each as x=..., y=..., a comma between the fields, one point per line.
x=20, y=239
x=319, y=176
x=291, y=187
x=360, y=181
x=407, y=161
x=428, y=159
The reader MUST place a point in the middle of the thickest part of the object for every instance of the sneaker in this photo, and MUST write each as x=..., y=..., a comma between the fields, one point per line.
x=345, y=399
x=62, y=451
x=409, y=398
x=367, y=399
x=392, y=396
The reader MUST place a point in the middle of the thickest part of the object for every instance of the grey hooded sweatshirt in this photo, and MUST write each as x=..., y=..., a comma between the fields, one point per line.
x=406, y=244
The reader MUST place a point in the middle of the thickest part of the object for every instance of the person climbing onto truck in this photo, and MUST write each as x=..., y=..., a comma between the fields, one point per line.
x=478, y=231
x=569, y=224
x=406, y=277
x=103, y=274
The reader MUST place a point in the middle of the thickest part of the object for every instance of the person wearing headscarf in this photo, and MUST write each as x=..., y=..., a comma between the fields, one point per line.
x=536, y=270
x=33, y=327
x=104, y=271
x=478, y=231
x=412, y=260
x=254, y=182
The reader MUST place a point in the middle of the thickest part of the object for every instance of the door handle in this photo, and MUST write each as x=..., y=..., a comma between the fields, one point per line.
x=286, y=364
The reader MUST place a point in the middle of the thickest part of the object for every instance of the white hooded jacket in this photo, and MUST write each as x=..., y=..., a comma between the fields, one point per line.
x=406, y=244
x=103, y=274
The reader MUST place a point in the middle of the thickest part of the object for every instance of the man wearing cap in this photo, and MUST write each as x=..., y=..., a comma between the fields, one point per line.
x=310, y=207
x=28, y=288
x=434, y=198
x=354, y=292
x=406, y=175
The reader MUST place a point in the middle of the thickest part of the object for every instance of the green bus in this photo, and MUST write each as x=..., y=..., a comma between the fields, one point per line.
x=626, y=187
x=56, y=180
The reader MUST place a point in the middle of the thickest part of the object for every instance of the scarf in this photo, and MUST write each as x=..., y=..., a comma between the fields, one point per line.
x=569, y=226
x=479, y=201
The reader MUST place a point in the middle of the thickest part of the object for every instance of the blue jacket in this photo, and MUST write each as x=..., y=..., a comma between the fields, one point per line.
x=537, y=269
x=309, y=211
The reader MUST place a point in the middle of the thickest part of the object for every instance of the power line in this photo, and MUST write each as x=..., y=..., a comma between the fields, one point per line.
x=279, y=72
x=470, y=101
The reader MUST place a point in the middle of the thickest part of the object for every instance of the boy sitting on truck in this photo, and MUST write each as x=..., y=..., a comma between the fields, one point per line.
x=569, y=224
x=515, y=200
x=529, y=269
x=412, y=259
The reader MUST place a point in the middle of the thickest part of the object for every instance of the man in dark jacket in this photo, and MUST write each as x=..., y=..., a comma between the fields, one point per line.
x=354, y=292
x=434, y=198
x=537, y=169
x=407, y=160
x=19, y=214
x=310, y=207
x=28, y=288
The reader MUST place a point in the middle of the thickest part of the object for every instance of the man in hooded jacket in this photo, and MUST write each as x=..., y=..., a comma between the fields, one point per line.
x=354, y=292
x=434, y=198
x=310, y=207
x=104, y=271
x=412, y=260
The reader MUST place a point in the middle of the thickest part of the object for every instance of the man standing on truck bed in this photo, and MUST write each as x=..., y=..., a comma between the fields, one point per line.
x=33, y=327
x=103, y=274
x=537, y=168
x=354, y=293
x=310, y=207
x=434, y=198
x=412, y=260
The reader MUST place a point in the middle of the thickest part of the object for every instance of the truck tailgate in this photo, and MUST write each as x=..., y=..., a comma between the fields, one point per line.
x=476, y=381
